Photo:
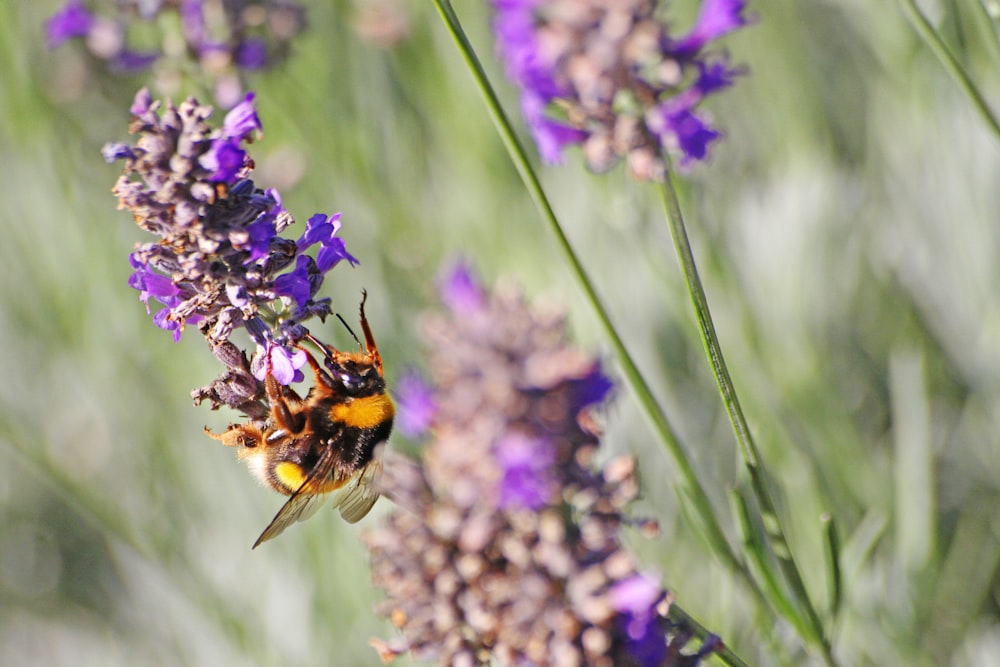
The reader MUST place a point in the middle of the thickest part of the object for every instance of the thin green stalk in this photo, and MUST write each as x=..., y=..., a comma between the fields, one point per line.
x=648, y=402
x=748, y=449
x=726, y=655
x=950, y=63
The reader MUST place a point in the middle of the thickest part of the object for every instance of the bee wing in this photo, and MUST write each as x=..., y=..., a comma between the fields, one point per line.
x=357, y=497
x=298, y=508
x=302, y=504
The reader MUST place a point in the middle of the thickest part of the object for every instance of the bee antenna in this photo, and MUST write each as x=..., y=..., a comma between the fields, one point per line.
x=349, y=329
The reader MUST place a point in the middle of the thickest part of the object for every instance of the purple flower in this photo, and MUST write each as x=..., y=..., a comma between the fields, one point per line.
x=526, y=481
x=73, y=20
x=608, y=89
x=129, y=61
x=283, y=363
x=635, y=599
x=460, y=290
x=224, y=159
x=149, y=283
x=331, y=253
x=715, y=19
x=715, y=76
x=218, y=258
x=252, y=54
x=550, y=135
x=319, y=229
x=323, y=229
x=261, y=232
x=546, y=543
x=691, y=133
x=162, y=320
x=193, y=22
x=592, y=389
x=414, y=405
x=226, y=38
x=142, y=104
x=297, y=284
x=116, y=151
x=242, y=119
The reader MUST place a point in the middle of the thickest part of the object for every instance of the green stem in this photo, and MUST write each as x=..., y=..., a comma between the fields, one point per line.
x=648, y=402
x=678, y=615
x=748, y=449
x=950, y=63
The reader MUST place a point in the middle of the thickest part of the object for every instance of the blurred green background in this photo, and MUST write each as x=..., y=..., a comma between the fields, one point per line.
x=846, y=228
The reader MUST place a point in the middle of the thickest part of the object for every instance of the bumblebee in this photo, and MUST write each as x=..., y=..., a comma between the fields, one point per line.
x=326, y=445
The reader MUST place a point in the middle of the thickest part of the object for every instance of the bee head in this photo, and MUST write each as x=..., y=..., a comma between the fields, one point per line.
x=355, y=377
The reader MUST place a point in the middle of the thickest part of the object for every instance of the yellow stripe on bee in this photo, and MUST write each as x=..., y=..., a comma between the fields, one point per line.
x=365, y=412
x=291, y=476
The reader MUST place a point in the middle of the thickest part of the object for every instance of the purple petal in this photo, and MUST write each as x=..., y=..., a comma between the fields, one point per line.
x=149, y=283
x=261, y=232
x=237, y=295
x=224, y=159
x=242, y=119
x=460, y=291
x=73, y=20
x=319, y=228
x=161, y=319
x=525, y=463
x=284, y=364
x=415, y=405
x=193, y=22
x=635, y=599
x=715, y=19
x=638, y=594
x=129, y=61
x=592, y=389
x=715, y=76
x=252, y=54
x=681, y=128
x=142, y=103
x=296, y=283
x=115, y=151
x=550, y=135
x=332, y=253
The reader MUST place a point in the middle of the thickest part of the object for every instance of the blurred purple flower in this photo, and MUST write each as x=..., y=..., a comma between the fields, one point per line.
x=414, y=405
x=252, y=54
x=460, y=290
x=73, y=20
x=715, y=19
x=627, y=91
x=227, y=38
x=636, y=599
x=525, y=478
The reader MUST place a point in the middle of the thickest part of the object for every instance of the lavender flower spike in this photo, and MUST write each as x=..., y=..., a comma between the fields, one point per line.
x=610, y=78
x=227, y=38
x=505, y=545
x=219, y=261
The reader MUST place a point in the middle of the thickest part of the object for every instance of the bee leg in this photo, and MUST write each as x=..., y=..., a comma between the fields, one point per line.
x=322, y=377
x=238, y=435
x=279, y=397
